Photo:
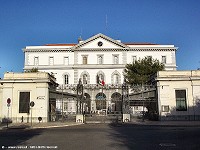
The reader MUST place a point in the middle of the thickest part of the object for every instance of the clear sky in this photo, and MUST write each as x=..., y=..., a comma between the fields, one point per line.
x=38, y=22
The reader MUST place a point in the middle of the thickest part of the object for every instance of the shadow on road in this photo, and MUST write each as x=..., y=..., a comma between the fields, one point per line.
x=150, y=137
x=17, y=136
x=132, y=136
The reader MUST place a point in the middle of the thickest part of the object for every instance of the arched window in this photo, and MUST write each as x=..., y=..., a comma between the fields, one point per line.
x=116, y=77
x=101, y=76
x=100, y=96
x=85, y=79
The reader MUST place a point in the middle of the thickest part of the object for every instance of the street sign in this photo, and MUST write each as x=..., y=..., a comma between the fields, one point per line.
x=8, y=100
x=32, y=103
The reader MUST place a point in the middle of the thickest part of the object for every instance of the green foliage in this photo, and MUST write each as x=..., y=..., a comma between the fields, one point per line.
x=140, y=71
x=32, y=70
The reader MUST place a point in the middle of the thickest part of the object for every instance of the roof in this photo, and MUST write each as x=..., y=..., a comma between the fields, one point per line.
x=64, y=44
x=100, y=35
x=132, y=43
x=73, y=44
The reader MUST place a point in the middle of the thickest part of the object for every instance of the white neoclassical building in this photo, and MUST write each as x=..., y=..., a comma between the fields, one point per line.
x=99, y=55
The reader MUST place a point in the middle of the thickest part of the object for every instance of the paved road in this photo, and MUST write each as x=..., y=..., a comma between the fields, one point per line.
x=104, y=137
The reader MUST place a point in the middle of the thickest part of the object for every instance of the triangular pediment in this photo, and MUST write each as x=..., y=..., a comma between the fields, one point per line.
x=100, y=41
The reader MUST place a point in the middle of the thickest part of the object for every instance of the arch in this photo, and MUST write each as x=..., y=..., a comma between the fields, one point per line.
x=87, y=96
x=116, y=96
x=66, y=77
x=85, y=77
x=100, y=101
x=115, y=77
x=100, y=96
x=116, y=102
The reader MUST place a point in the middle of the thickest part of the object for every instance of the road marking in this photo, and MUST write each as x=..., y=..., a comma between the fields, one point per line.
x=167, y=144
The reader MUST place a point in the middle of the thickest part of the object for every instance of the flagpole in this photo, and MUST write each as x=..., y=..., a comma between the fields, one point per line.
x=102, y=100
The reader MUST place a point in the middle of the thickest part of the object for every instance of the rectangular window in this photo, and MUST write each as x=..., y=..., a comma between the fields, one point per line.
x=115, y=59
x=134, y=58
x=165, y=108
x=100, y=59
x=164, y=59
x=24, y=102
x=36, y=61
x=51, y=61
x=181, y=100
x=66, y=60
x=84, y=60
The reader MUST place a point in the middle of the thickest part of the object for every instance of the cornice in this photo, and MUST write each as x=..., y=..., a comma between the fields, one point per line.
x=48, y=67
x=101, y=49
x=154, y=49
x=98, y=49
x=48, y=50
x=96, y=66
x=76, y=66
x=177, y=78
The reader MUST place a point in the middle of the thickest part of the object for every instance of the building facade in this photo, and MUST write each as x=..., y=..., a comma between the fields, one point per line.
x=22, y=89
x=178, y=94
x=99, y=56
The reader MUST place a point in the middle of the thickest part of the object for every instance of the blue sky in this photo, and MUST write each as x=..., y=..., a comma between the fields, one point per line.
x=38, y=22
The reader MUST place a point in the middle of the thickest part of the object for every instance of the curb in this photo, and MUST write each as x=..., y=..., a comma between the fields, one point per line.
x=38, y=127
x=47, y=127
x=165, y=125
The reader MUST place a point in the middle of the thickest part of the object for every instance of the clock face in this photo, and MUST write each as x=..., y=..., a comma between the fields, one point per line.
x=100, y=43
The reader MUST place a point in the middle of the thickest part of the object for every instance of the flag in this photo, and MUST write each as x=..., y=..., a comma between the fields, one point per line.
x=99, y=81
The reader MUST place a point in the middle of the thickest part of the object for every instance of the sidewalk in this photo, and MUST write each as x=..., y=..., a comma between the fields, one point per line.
x=65, y=124
x=167, y=123
x=37, y=125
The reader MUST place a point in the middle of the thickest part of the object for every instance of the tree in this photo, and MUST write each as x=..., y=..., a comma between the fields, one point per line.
x=140, y=71
x=32, y=70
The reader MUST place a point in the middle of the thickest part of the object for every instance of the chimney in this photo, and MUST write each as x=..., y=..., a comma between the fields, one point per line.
x=80, y=40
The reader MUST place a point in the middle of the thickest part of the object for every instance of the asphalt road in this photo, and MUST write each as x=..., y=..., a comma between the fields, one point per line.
x=103, y=137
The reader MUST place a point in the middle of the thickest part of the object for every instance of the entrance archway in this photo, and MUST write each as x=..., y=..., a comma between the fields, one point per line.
x=100, y=101
x=116, y=102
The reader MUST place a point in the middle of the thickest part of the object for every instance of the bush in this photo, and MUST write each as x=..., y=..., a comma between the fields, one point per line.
x=6, y=120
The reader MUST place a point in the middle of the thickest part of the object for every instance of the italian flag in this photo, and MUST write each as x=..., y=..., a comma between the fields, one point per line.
x=99, y=81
